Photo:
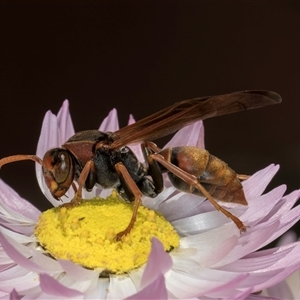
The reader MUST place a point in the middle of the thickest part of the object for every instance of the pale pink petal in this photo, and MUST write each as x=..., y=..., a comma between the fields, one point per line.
x=23, y=282
x=64, y=121
x=49, y=138
x=20, y=228
x=274, y=278
x=52, y=287
x=14, y=295
x=155, y=203
x=194, y=286
x=131, y=120
x=19, y=254
x=36, y=295
x=240, y=295
x=259, y=207
x=78, y=285
x=181, y=205
x=249, y=242
x=77, y=272
x=159, y=262
x=259, y=260
x=110, y=123
x=155, y=290
x=14, y=215
x=4, y=266
x=230, y=286
x=18, y=237
x=257, y=183
x=286, y=220
x=288, y=202
x=136, y=148
x=260, y=297
x=12, y=200
x=49, y=264
x=191, y=135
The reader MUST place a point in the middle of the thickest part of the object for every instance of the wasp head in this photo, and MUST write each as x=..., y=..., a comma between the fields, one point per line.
x=59, y=171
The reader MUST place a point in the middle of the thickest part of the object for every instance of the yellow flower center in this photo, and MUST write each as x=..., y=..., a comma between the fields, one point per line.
x=85, y=234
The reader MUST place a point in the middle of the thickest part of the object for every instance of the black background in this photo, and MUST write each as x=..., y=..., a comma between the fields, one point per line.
x=140, y=57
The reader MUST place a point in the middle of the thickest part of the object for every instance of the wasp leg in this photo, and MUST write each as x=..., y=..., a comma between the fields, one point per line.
x=132, y=189
x=74, y=187
x=152, y=146
x=152, y=166
x=192, y=180
x=88, y=168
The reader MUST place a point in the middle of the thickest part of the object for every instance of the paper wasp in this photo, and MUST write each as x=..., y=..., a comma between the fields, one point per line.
x=93, y=157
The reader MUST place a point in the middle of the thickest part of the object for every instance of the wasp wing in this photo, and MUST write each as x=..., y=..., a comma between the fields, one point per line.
x=183, y=113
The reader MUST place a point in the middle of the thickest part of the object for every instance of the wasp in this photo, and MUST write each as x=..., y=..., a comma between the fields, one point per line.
x=103, y=158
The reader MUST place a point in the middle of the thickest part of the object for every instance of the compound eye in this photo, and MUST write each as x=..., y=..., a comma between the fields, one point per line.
x=61, y=168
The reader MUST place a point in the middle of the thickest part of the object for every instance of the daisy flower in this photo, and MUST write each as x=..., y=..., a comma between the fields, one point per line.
x=212, y=261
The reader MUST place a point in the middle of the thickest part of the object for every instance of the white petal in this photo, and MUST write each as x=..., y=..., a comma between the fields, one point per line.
x=100, y=290
x=120, y=287
x=156, y=290
x=200, y=223
x=208, y=246
x=181, y=205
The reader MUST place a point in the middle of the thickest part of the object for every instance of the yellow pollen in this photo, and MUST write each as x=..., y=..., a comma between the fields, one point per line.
x=85, y=234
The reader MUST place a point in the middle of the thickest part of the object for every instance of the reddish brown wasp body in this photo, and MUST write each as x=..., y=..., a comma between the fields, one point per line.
x=93, y=157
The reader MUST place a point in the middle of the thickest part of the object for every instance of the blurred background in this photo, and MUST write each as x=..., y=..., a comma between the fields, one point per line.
x=140, y=57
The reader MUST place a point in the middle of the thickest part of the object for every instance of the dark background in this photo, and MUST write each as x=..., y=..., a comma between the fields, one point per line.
x=140, y=57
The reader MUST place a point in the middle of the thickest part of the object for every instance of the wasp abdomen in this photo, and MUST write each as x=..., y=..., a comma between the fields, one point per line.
x=214, y=174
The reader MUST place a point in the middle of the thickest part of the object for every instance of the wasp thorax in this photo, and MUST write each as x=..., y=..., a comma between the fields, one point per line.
x=58, y=169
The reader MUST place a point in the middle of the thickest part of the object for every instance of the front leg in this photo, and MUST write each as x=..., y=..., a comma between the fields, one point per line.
x=86, y=172
x=132, y=190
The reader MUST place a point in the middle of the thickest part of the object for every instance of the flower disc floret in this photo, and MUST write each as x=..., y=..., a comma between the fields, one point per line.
x=85, y=234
